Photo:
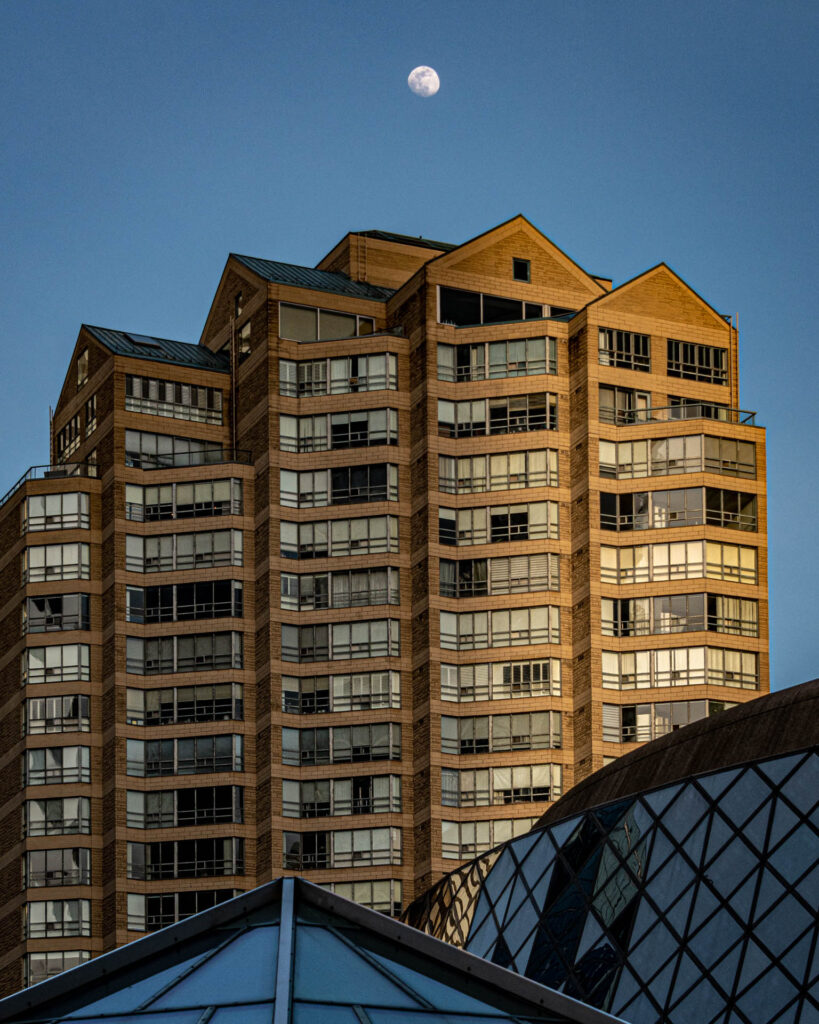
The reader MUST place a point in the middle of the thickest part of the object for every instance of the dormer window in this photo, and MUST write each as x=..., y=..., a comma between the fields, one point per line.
x=521, y=270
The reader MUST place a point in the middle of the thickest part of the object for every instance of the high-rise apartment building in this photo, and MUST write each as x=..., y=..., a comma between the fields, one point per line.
x=405, y=546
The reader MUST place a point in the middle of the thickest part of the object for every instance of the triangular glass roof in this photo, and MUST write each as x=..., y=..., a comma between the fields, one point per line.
x=291, y=953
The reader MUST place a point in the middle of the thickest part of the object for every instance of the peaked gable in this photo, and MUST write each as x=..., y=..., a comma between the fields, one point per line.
x=662, y=295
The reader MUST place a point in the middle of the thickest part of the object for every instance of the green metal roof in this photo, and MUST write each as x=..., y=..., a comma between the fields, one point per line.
x=159, y=350
x=391, y=236
x=317, y=280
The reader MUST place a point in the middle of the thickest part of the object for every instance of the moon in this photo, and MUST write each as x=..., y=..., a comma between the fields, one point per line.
x=424, y=81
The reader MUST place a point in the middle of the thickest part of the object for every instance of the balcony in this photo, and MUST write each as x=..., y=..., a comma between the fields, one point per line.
x=673, y=413
x=59, y=471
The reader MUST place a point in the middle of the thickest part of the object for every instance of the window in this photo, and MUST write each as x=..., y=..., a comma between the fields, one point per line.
x=303, y=323
x=206, y=599
x=238, y=304
x=380, y=741
x=58, y=663
x=679, y=613
x=638, y=723
x=652, y=509
x=216, y=702
x=51, y=612
x=473, y=577
x=340, y=641
x=694, y=409
x=623, y=405
x=354, y=588
x=383, y=895
x=189, y=755
x=90, y=415
x=353, y=848
x=69, y=438
x=509, y=415
x=666, y=456
x=358, y=691
x=338, y=376
x=731, y=509
x=501, y=680
x=731, y=562
x=65, y=511
x=202, y=652
x=362, y=794
x=503, y=471
x=345, y=485
x=207, y=549
x=490, y=734
x=680, y=666
x=521, y=269
x=39, y=966
x=82, y=368
x=244, y=341
x=158, y=910
x=361, y=429
x=466, y=631
x=161, y=451
x=697, y=362
x=56, y=867
x=59, y=816
x=624, y=349
x=186, y=858
x=464, y=309
x=461, y=840
x=44, y=766
x=56, y=562
x=499, y=524
x=184, y=808
x=339, y=537
x=680, y=560
x=66, y=713
x=183, y=501
x=516, y=357
x=172, y=399
x=485, y=787
x=57, y=919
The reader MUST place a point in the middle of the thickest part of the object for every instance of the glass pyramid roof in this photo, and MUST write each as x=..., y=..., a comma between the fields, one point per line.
x=291, y=953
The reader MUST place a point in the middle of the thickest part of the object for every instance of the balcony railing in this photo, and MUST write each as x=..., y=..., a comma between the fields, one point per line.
x=667, y=413
x=51, y=472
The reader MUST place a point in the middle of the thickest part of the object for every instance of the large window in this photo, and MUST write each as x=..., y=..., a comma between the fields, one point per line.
x=508, y=627
x=51, y=612
x=504, y=471
x=346, y=589
x=203, y=652
x=383, y=895
x=173, y=399
x=491, y=734
x=158, y=910
x=66, y=713
x=680, y=560
x=516, y=574
x=679, y=613
x=461, y=840
x=47, y=562
x=509, y=415
x=306, y=323
x=57, y=867
x=624, y=349
x=341, y=744
x=322, y=798
x=518, y=357
x=57, y=919
x=487, y=787
x=56, y=664
x=39, y=966
x=173, y=705
x=338, y=376
x=58, y=816
x=665, y=456
x=184, y=808
x=697, y=362
x=177, y=602
x=465, y=309
x=623, y=405
x=207, y=549
x=65, y=511
x=359, y=847
x=499, y=524
x=680, y=666
x=183, y=501
x=647, y=510
x=639, y=723
x=501, y=680
x=46, y=766
x=341, y=641
x=161, y=451
x=328, y=431
x=189, y=755
x=358, y=691
x=345, y=485
x=186, y=858
x=69, y=438
x=334, y=538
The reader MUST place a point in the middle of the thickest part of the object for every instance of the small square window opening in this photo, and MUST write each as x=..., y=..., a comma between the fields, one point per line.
x=521, y=270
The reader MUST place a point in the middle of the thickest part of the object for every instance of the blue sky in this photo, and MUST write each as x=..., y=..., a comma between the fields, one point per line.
x=144, y=141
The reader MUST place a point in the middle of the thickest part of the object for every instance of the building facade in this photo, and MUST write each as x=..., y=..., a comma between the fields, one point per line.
x=363, y=581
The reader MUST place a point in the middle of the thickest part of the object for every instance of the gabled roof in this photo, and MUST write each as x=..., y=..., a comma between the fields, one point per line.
x=391, y=236
x=290, y=951
x=308, y=277
x=159, y=350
